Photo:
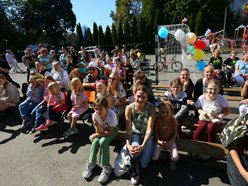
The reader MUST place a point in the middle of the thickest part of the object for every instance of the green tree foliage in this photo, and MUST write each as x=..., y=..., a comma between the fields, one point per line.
x=119, y=33
x=192, y=23
x=134, y=31
x=126, y=31
x=114, y=35
x=198, y=25
x=108, y=38
x=95, y=34
x=80, y=39
x=101, y=36
x=89, y=40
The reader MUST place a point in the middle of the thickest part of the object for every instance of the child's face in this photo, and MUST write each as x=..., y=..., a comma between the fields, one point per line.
x=54, y=90
x=100, y=88
x=212, y=90
x=165, y=112
x=100, y=110
x=175, y=88
x=33, y=82
x=2, y=81
x=76, y=86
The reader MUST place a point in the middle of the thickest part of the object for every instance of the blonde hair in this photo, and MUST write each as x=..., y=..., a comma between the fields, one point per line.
x=53, y=85
x=76, y=81
x=176, y=81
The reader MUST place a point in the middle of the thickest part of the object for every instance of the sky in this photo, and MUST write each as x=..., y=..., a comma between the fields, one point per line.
x=89, y=11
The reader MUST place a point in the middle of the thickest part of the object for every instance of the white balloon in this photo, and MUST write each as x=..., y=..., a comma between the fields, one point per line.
x=179, y=35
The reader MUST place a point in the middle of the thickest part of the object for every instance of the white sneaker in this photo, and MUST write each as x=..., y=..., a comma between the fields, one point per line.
x=88, y=171
x=135, y=180
x=106, y=172
x=172, y=165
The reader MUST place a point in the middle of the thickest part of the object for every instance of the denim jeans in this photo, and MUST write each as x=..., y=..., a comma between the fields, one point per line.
x=26, y=108
x=146, y=154
x=37, y=115
x=240, y=80
x=235, y=178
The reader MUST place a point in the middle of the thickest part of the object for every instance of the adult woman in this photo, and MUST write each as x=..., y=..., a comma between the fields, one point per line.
x=9, y=96
x=140, y=120
x=61, y=76
x=118, y=93
x=40, y=69
x=45, y=59
x=89, y=81
x=28, y=60
x=200, y=84
x=241, y=70
x=188, y=85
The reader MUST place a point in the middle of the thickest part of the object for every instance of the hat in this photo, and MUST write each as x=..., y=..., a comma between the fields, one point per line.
x=56, y=63
x=93, y=65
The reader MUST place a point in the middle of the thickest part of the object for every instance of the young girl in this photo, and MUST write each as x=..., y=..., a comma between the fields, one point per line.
x=166, y=133
x=37, y=112
x=55, y=105
x=105, y=122
x=213, y=99
x=80, y=104
x=34, y=97
x=178, y=99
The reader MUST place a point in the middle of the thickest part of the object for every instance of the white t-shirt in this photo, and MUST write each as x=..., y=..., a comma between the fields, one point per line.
x=111, y=119
x=220, y=102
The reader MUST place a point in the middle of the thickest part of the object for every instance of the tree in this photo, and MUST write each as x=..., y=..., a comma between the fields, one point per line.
x=89, y=40
x=134, y=31
x=108, y=39
x=119, y=33
x=101, y=36
x=198, y=25
x=114, y=35
x=192, y=23
x=80, y=39
x=95, y=34
x=126, y=29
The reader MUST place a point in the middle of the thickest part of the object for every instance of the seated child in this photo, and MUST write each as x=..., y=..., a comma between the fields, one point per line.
x=217, y=107
x=105, y=122
x=34, y=97
x=166, y=133
x=55, y=105
x=80, y=104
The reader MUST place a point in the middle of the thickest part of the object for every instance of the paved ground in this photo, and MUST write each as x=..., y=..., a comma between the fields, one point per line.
x=46, y=159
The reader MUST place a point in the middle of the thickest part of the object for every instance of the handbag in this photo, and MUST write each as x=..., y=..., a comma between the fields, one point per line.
x=122, y=162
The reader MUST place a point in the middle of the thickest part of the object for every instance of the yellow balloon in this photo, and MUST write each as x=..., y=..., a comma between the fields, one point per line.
x=190, y=37
x=139, y=54
x=198, y=54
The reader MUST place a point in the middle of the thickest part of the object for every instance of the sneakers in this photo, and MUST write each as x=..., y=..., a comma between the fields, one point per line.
x=49, y=123
x=24, y=124
x=70, y=131
x=106, y=172
x=172, y=165
x=135, y=180
x=32, y=131
x=42, y=127
x=88, y=171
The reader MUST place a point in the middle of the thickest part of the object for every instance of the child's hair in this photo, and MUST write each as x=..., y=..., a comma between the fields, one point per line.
x=49, y=77
x=33, y=78
x=101, y=101
x=2, y=77
x=53, y=85
x=141, y=88
x=166, y=103
x=176, y=81
x=214, y=81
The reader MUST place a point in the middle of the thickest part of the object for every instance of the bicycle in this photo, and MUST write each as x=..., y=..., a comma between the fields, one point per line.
x=176, y=66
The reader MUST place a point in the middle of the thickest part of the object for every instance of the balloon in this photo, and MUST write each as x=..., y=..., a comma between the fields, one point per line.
x=198, y=54
x=139, y=54
x=190, y=37
x=200, y=45
x=179, y=35
x=200, y=65
x=163, y=32
x=191, y=49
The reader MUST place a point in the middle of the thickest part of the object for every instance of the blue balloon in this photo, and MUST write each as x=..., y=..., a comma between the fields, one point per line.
x=200, y=65
x=163, y=32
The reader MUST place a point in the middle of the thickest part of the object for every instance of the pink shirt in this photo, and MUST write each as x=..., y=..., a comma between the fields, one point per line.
x=55, y=99
x=79, y=97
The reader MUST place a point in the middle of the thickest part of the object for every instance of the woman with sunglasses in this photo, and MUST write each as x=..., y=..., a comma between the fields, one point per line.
x=139, y=121
x=89, y=82
x=216, y=104
x=117, y=92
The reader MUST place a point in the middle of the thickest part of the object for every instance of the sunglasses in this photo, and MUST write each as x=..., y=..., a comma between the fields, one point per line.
x=112, y=78
x=92, y=69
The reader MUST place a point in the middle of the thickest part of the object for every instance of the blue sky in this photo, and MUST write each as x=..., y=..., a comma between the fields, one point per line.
x=89, y=11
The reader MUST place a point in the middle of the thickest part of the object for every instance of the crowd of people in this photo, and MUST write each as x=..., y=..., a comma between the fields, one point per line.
x=61, y=85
